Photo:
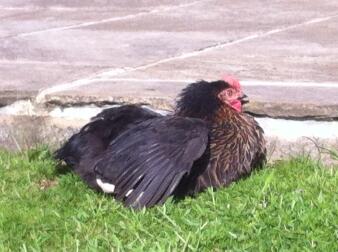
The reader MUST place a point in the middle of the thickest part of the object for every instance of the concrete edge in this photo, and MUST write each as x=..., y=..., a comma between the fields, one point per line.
x=20, y=132
x=8, y=97
x=258, y=108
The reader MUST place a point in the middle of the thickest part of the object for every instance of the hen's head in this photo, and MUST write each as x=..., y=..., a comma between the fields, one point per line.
x=203, y=99
x=233, y=96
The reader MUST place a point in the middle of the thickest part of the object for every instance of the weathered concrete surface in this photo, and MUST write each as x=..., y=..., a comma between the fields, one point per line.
x=24, y=80
x=66, y=53
x=277, y=101
x=306, y=53
x=48, y=43
x=22, y=132
x=160, y=95
x=24, y=18
x=42, y=43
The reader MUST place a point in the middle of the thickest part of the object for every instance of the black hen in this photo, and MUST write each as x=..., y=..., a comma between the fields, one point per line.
x=142, y=158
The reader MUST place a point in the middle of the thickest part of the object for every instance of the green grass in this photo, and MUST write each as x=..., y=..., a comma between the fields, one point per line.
x=291, y=206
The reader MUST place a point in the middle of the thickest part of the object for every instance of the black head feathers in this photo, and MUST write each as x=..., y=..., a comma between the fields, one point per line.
x=200, y=99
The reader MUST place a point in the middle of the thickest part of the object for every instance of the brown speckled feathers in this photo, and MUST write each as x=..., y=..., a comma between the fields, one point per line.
x=236, y=147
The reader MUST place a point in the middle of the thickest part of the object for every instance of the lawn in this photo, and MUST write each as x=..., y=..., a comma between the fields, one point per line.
x=289, y=206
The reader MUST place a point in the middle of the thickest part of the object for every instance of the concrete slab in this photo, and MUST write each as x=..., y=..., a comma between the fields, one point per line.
x=87, y=4
x=26, y=22
x=123, y=49
x=24, y=79
x=277, y=102
x=26, y=18
x=163, y=45
x=225, y=17
x=160, y=95
x=293, y=102
x=307, y=53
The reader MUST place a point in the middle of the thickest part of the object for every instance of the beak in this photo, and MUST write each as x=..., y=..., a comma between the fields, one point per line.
x=244, y=99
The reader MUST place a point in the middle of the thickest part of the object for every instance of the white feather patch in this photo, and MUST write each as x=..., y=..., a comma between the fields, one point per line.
x=129, y=192
x=106, y=187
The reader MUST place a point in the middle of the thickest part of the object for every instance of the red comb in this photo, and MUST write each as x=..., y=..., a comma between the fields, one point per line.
x=232, y=81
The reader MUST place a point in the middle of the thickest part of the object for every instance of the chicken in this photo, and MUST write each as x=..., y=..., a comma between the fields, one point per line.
x=142, y=158
x=82, y=149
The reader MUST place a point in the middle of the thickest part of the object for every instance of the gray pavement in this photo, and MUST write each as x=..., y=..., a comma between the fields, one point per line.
x=80, y=52
x=81, y=49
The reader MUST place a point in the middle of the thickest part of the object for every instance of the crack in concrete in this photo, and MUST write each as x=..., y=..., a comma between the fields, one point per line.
x=108, y=20
x=59, y=63
x=119, y=71
x=38, y=8
x=263, y=83
x=221, y=45
x=66, y=86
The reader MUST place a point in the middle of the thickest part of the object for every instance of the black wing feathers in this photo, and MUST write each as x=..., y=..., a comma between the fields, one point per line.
x=82, y=149
x=148, y=161
x=95, y=136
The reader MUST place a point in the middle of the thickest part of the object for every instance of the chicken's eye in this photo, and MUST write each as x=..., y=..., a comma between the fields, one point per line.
x=230, y=92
